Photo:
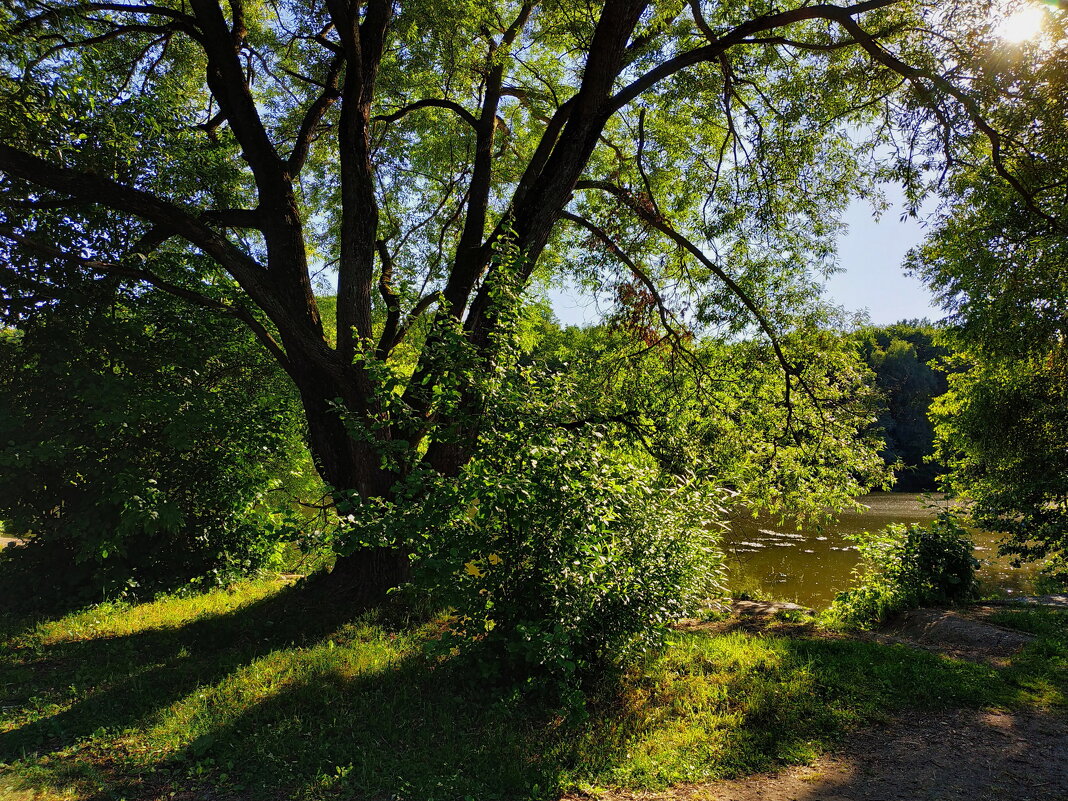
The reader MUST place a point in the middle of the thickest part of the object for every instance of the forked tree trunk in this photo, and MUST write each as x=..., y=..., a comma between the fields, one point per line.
x=364, y=577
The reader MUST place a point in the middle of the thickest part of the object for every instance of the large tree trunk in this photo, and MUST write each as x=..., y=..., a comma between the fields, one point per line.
x=365, y=576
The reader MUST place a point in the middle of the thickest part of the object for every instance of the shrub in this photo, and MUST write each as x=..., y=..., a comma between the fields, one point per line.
x=905, y=567
x=140, y=451
x=557, y=549
x=573, y=558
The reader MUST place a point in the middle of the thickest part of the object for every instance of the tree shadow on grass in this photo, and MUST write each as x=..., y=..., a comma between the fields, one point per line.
x=260, y=701
x=418, y=729
x=709, y=719
x=133, y=676
x=412, y=730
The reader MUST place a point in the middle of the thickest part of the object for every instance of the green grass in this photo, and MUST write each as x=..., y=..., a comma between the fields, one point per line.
x=1040, y=672
x=258, y=692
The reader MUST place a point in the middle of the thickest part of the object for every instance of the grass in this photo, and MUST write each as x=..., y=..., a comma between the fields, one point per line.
x=259, y=693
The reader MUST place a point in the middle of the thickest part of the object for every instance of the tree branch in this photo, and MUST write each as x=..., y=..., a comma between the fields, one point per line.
x=314, y=117
x=389, y=297
x=95, y=189
x=737, y=35
x=662, y=308
x=141, y=274
x=916, y=76
x=661, y=224
x=364, y=46
x=471, y=254
x=186, y=23
x=228, y=84
x=404, y=111
x=234, y=218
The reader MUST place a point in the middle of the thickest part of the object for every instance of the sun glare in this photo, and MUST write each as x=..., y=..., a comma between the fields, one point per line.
x=1021, y=25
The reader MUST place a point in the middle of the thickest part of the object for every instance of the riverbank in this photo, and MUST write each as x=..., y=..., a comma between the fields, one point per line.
x=252, y=693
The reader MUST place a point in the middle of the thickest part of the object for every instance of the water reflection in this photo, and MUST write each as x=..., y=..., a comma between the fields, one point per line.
x=811, y=564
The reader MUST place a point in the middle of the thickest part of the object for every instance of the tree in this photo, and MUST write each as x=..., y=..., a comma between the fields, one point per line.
x=996, y=256
x=996, y=251
x=1002, y=432
x=438, y=156
x=903, y=357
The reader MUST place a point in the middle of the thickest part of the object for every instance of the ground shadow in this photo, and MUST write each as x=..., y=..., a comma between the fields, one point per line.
x=138, y=674
x=406, y=732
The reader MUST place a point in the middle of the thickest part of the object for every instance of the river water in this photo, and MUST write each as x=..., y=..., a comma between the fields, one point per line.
x=810, y=565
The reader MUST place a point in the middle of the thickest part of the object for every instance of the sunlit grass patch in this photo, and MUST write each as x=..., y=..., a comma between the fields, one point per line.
x=1041, y=670
x=252, y=694
x=118, y=618
x=722, y=705
x=325, y=665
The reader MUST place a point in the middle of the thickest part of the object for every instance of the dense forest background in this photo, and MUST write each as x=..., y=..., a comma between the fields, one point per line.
x=908, y=361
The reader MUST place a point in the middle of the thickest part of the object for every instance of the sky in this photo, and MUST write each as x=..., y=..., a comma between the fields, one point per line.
x=872, y=280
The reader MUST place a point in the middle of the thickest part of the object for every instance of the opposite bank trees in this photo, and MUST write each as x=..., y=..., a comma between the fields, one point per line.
x=440, y=157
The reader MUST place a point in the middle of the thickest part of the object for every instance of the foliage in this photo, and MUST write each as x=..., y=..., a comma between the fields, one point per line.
x=995, y=255
x=585, y=522
x=905, y=567
x=572, y=560
x=142, y=446
x=996, y=248
x=905, y=359
x=690, y=161
x=558, y=547
x=723, y=407
x=1003, y=430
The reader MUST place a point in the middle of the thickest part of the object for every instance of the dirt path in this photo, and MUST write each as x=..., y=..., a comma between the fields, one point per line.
x=1058, y=601
x=962, y=755
x=957, y=756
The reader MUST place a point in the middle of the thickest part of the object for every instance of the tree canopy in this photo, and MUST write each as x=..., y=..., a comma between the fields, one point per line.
x=995, y=255
x=442, y=158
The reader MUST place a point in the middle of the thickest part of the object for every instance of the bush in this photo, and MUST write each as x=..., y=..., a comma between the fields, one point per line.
x=557, y=550
x=573, y=558
x=140, y=451
x=1052, y=579
x=905, y=567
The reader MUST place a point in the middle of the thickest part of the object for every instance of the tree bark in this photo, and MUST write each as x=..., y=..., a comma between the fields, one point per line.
x=364, y=578
x=348, y=464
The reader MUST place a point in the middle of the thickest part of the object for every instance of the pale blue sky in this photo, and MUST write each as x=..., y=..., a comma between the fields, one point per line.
x=872, y=280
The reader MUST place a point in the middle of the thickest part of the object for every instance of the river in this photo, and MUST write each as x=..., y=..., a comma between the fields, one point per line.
x=810, y=565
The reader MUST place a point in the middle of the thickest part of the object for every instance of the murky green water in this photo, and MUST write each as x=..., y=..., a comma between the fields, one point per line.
x=810, y=565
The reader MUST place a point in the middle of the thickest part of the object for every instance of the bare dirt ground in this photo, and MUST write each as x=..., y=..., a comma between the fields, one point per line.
x=958, y=756
x=963, y=755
